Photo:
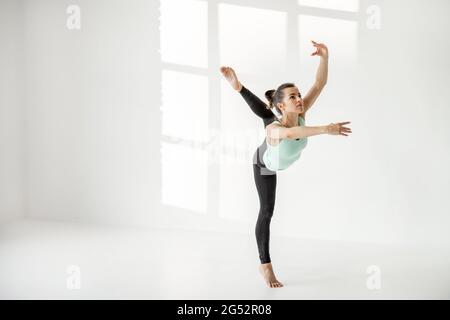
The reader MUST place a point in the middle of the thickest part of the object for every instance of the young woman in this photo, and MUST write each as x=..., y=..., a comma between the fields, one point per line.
x=286, y=137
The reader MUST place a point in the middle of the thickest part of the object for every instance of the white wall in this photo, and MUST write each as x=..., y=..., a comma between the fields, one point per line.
x=11, y=112
x=388, y=182
x=101, y=150
x=92, y=96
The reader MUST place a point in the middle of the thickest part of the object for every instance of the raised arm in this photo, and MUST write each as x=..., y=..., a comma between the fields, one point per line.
x=321, y=75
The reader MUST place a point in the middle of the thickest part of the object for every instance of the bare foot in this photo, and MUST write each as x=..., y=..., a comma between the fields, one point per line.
x=231, y=77
x=267, y=272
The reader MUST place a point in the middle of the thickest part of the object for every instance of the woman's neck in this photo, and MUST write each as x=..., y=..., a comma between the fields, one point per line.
x=289, y=119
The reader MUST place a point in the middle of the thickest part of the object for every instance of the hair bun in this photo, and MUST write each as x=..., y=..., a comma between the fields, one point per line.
x=269, y=95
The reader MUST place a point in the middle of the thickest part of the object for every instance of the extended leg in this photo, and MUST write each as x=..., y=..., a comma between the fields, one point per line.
x=257, y=106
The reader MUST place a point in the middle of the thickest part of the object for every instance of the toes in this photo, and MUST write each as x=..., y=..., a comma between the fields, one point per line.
x=275, y=285
x=278, y=284
x=224, y=70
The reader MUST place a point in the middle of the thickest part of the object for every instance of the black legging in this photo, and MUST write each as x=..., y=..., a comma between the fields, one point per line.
x=265, y=179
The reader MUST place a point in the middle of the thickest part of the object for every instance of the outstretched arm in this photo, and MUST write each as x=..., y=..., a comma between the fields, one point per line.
x=276, y=131
x=321, y=76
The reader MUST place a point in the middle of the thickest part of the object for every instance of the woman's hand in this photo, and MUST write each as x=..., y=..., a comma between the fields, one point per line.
x=338, y=129
x=321, y=50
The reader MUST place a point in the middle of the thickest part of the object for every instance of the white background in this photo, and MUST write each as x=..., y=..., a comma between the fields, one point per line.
x=113, y=123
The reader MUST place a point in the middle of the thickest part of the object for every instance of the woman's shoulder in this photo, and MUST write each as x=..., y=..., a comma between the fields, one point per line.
x=274, y=124
x=270, y=120
x=301, y=119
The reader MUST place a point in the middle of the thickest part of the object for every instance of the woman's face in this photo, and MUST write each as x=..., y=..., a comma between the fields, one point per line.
x=292, y=101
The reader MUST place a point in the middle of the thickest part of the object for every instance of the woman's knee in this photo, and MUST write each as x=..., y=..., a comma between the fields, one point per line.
x=267, y=210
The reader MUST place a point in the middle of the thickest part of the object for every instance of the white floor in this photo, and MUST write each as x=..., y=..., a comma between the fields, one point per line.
x=131, y=263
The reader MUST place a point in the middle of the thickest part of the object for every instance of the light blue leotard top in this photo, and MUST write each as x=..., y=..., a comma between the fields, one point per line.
x=284, y=154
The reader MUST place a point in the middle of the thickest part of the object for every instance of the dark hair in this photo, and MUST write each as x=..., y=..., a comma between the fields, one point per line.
x=276, y=96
